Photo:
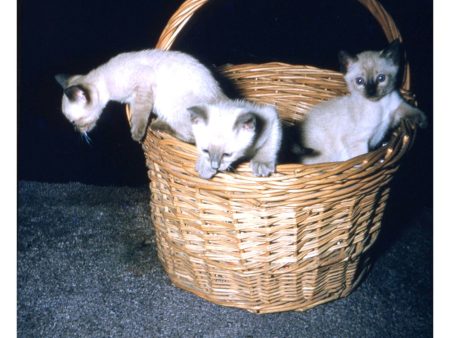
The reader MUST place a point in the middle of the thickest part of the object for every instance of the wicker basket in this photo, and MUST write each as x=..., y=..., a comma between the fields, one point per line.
x=290, y=241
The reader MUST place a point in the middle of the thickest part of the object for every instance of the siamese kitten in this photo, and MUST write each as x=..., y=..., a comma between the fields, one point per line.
x=165, y=82
x=231, y=131
x=351, y=125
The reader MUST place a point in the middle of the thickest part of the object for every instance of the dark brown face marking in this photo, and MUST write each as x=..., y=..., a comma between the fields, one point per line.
x=197, y=114
x=371, y=89
x=62, y=79
x=245, y=121
x=78, y=92
x=393, y=52
x=345, y=59
x=215, y=156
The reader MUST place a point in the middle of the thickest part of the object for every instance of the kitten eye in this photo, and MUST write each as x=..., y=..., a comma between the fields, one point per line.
x=381, y=78
x=206, y=151
x=227, y=155
x=359, y=81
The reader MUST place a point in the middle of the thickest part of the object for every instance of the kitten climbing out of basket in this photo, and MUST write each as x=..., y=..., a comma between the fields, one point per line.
x=351, y=125
x=230, y=131
x=163, y=82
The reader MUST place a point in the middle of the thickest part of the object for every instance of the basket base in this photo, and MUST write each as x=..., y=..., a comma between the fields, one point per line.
x=285, y=292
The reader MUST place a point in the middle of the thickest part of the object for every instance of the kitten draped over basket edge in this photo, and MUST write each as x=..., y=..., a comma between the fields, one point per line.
x=351, y=125
x=163, y=82
x=175, y=87
x=233, y=130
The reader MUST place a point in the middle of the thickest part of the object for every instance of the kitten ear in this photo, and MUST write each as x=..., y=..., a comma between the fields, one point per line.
x=246, y=121
x=77, y=93
x=62, y=79
x=345, y=60
x=198, y=114
x=393, y=51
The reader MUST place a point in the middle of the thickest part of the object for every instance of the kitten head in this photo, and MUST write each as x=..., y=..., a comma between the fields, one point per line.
x=372, y=74
x=80, y=102
x=223, y=133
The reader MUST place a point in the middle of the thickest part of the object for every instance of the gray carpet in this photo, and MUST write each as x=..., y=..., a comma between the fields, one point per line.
x=87, y=267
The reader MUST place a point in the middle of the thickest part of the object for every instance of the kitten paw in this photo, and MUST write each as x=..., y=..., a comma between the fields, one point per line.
x=262, y=168
x=204, y=169
x=419, y=118
x=416, y=116
x=162, y=126
x=138, y=133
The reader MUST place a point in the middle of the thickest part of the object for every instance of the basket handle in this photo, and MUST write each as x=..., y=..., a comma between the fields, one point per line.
x=187, y=9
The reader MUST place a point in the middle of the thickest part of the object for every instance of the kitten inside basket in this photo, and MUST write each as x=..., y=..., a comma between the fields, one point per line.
x=351, y=125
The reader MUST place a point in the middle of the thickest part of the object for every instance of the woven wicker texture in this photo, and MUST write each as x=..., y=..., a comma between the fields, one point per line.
x=290, y=241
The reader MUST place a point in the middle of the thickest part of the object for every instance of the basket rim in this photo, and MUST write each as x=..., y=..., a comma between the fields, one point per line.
x=387, y=155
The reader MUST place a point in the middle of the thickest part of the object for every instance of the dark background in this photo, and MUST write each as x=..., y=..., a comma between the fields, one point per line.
x=56, y=36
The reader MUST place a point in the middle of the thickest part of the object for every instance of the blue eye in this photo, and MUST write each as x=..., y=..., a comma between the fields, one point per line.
x=227, y=155
x=359, y=81
x=206, y=151
x=381, y=78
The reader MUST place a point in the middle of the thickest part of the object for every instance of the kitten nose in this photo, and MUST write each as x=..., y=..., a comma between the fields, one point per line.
x=215, y=164
x=371, y=88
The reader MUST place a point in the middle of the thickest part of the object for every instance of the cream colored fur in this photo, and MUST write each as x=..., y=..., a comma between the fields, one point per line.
x=230, y=131
x=351, y=125
x=165, y=82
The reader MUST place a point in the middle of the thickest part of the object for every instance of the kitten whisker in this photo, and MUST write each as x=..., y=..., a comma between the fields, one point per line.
x=86, y=138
